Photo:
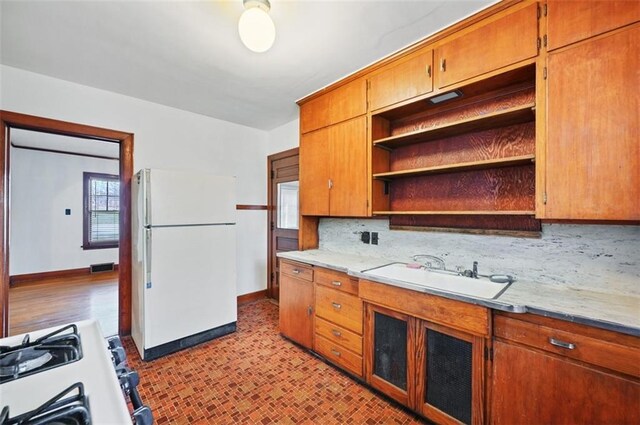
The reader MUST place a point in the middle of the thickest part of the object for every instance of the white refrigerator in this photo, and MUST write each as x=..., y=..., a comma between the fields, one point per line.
x=184, y=259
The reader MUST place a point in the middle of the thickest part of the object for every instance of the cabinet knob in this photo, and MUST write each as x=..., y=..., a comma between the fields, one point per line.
x=443, y=64
x=336, y=283
x=309, y=311
x=295, y=271
x=335, y=353
x=330, y=183
x=336, y=333
x=562, y=344
x=429, y=71
x=336, y=305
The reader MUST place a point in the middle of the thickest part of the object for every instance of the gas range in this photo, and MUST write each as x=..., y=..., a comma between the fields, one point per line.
x=68, y=374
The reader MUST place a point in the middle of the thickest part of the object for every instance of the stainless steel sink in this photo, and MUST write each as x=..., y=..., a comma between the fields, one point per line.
x=441, y=280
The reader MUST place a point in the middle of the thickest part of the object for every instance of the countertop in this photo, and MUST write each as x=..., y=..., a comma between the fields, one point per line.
x=599, y=309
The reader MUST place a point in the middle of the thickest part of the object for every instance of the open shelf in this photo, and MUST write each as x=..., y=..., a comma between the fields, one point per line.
x=506, y=117
x=488, y=212
x=461, y=166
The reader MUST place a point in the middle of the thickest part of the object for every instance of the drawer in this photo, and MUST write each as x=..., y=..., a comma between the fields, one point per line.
x=608, y=354
x=340, y=308
x=339, y=335
x=337, y=280
x=299, y=270
x=339, y=355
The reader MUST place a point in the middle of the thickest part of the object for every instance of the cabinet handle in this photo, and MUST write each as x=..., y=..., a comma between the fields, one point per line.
x=309, y=311
x=336, y=306
x=335, y=353
x=330, y=184
x=429, y=71
x=336, y=333
x=562, y=344
x=443, y=64
x=295, y=271
x=336, y=283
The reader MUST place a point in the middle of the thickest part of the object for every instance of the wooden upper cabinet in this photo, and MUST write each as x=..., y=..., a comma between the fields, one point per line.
x=402, y=80
x=314, y=173
x=340, y=104
x=572, y=21
x=509, y=39
x=333, y=170
x=593, y=138
x=349, y=171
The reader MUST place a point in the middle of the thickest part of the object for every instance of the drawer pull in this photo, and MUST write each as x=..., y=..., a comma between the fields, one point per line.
x=335, y=353
x=429, y=71
x=336, y=306
x=295, y=271
x=336, y=333
x=561, y=344
x=309, y=311
x=336, y=283
x=443, y=65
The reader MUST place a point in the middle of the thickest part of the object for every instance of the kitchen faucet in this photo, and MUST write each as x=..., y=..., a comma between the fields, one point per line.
x=438, y=260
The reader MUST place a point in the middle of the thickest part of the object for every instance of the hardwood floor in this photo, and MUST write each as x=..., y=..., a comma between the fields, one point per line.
x=52, y=302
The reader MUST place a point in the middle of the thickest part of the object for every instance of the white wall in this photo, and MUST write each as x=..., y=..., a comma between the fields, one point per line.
x=285, y=137
x=164, y=138
x=43, y=238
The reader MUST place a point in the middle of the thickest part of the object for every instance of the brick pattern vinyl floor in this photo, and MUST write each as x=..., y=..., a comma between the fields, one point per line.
x=255, y=376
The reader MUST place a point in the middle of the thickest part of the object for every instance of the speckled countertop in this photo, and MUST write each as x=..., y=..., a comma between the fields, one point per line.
x=604, y=310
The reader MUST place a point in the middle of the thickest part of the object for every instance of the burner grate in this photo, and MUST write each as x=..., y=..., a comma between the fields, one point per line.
x=58, y=410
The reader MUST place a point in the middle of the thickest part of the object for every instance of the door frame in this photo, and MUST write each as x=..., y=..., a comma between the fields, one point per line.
x=271, y=212
x=9, y=120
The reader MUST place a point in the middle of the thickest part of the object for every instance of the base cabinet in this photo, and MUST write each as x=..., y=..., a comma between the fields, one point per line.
x=432, y=369
x=296, y=302
x=534, y=387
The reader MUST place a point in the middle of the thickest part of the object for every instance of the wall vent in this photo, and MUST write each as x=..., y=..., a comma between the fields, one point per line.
x=104, y=267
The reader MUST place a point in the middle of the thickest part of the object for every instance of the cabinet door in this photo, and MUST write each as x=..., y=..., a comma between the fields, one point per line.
x=451, y=375
x=348, y=101
x=593, y=141
x=505, y=41
x=572, y=21
x=388, y=351
x=314, y=172
x=348, y=168
x=403, y=80
x=531, y=387
x=296, y=309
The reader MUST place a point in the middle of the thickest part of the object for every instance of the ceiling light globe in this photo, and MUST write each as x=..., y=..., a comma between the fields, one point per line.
x=257, y=30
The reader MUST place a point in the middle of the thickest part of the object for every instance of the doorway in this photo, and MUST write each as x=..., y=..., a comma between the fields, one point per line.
x=16, y=121
x=283, y=201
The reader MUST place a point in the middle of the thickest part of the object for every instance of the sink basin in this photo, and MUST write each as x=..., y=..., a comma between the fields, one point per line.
x=440, y=280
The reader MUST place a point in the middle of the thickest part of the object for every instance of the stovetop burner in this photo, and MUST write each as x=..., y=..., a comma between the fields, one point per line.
x=57, y=411
x=57, y=348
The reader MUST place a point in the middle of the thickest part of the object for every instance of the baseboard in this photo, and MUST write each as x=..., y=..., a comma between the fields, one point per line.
x=188, y=342
x=252, y=296
x=19, y=279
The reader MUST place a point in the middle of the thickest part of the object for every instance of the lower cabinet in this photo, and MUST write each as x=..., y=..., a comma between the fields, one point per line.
x=547, y=371
x=296, y=302
x=432, y=369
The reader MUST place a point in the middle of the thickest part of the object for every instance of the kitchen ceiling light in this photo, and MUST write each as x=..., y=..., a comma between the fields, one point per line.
x=255, y=26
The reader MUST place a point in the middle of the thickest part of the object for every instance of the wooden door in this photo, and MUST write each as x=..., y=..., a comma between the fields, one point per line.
x=314, y=114
x=296, y=309
x=505, y=41
x=450, y=375
x=283, y=212
x=348, y=101
x=402, y=80
x=593, y=137
x=349, y=168
x=389, y=360
x=314, y=172
x=532, y=387
x=572, y=21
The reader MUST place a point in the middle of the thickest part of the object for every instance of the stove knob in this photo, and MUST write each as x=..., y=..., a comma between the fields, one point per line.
x=119, y=355
x=143, y=416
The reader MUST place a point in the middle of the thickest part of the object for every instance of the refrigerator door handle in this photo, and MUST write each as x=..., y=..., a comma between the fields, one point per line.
x=146, y=194
x=147, y=259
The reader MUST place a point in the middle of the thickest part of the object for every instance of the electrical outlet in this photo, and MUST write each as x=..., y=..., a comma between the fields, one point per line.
x=365, y=237
x=374, y=238
x=67, y=211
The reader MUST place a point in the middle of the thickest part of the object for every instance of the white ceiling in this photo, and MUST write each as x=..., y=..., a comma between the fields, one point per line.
x=76, y=145
x=188, y=55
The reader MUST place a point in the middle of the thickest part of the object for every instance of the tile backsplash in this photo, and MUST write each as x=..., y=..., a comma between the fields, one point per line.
x=589, y=257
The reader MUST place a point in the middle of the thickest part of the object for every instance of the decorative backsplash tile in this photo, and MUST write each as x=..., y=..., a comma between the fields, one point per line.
x=592, y=257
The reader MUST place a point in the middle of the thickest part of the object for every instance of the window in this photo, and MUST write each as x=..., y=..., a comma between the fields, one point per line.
x=101, y=211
